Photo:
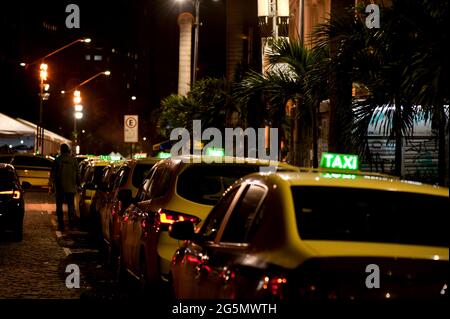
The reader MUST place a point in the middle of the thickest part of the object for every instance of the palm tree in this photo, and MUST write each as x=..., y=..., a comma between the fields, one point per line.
x=376, y=59
x=288, y=79
x=427, y=75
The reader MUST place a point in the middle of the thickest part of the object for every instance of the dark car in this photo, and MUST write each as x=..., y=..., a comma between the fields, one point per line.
x=12, y=206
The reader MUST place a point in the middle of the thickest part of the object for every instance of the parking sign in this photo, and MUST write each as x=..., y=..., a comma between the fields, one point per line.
x=131, y=129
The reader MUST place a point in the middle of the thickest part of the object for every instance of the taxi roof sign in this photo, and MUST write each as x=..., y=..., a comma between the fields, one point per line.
x=163, y=155
x=213, y=151
x=345, y=162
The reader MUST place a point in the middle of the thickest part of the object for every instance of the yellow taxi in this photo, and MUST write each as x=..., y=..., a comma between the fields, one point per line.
x=91, y=179
x=177, y=188
x=124, y=188
x=33, y=169
x=326, y=234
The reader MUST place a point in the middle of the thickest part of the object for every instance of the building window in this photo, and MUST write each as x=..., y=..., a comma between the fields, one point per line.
x=98, y=57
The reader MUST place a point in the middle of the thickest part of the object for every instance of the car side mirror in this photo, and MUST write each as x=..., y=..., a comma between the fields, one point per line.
x=125, y=197
x=183, y=230
x=26, y=185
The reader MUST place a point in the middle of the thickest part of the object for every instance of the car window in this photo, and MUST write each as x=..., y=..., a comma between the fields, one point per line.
x=368, y=215
x=159, y=183
x=122, y=176
x=215, y=217
x=144, y=187
x=31, y=161
x=106, y=175
x=242, y=216
x=139, y=173
x=98, y=173
x=205, y=184
x=88, y=175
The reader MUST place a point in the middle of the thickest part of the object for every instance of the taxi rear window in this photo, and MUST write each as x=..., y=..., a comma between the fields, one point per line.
x=205, y=184
x=367, y=215
x=32, y=161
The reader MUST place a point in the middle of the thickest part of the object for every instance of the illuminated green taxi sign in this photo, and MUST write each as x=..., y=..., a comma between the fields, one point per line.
x=220, y=152
x=346, y=162
x=163, y=155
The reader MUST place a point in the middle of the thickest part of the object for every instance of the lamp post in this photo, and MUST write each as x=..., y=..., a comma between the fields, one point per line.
x=271, y=15
x=43, y=73
x=78, y=107
x=196, y=36
x=107, y=73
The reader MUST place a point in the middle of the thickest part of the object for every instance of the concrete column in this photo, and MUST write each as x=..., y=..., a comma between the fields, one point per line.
x=185, y=21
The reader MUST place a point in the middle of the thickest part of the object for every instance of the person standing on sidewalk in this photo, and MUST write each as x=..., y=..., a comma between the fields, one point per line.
x=65, y=179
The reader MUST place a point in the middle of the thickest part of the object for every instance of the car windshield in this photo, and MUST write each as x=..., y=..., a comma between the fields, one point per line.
x=140, y=171
x=205, y=184
x=6, y=179
x=368, y=215
x=32, y=161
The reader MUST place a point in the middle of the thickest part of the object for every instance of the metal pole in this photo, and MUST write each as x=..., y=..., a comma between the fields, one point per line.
x=74, y=132
x=196, y=36
x=40, y=129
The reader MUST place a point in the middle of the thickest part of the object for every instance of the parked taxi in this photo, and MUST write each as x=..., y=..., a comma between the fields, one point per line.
x=178, y=188
x=324, y=234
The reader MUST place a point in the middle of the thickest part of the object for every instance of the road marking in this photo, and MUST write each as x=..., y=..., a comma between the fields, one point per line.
x=67, y=251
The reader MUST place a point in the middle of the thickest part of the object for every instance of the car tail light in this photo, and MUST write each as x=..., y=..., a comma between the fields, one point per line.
x=15, y=193
x=273, y=286
x=167, y=217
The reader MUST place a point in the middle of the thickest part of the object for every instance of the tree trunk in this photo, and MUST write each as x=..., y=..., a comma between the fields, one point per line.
x=398, y=140
x=315, y=136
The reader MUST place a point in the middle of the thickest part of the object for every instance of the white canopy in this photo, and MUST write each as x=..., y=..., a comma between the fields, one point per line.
x=12, y=127
x=48, y=134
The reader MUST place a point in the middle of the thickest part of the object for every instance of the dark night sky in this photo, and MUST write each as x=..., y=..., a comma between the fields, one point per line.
x=146, y=28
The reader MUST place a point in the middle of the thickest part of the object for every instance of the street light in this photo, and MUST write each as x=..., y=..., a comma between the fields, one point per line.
x=43, y=74
x=77, y=115
x=78, y=108
x=106, y=73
